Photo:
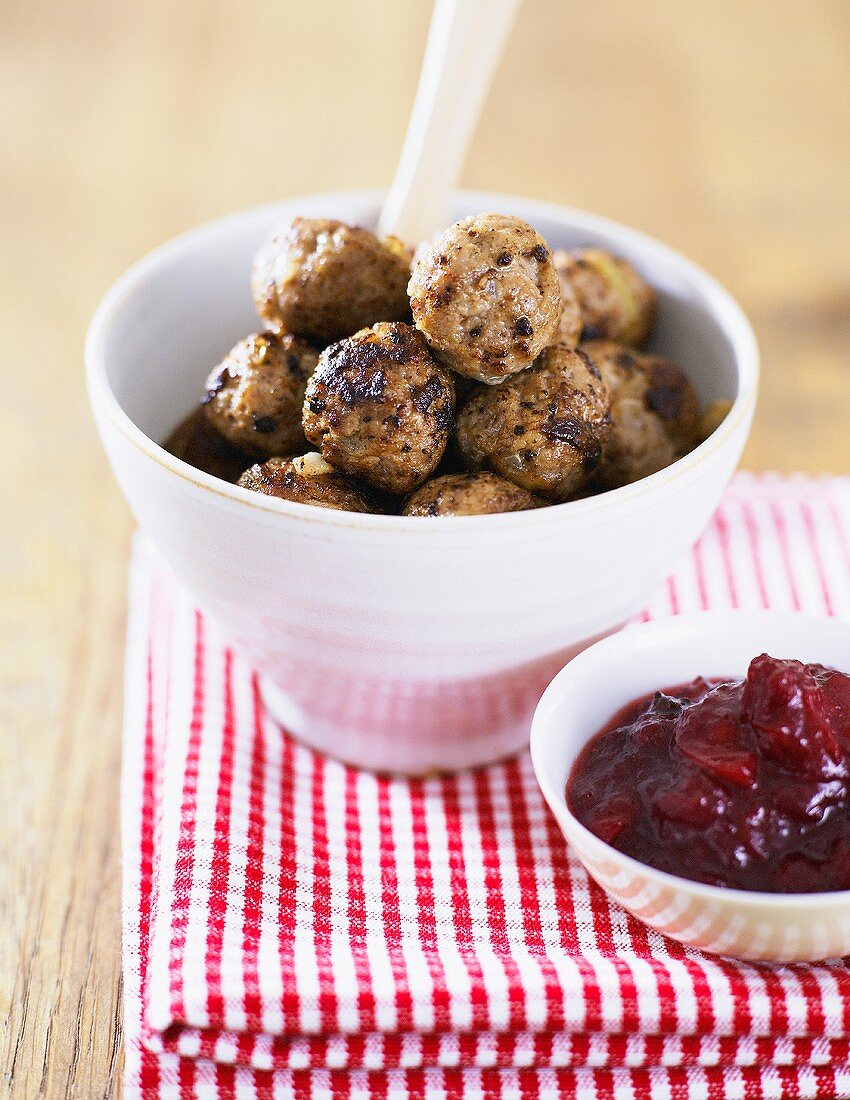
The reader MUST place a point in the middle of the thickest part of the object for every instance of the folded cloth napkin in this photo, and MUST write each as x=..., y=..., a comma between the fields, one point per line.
x=294, y=927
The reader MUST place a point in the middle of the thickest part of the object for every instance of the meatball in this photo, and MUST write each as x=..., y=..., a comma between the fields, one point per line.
x=712, y=417
x=637, y=446
x=323, y=279
x=569, y=330
x=654, y=412
x=486, y=296
x=663, y=387
x=380, y=408
x=543, y=429
x=307, y=479
x=468, y=495
x=198, y=443
x=616, y=303
x=254, y=397
x=673, y=399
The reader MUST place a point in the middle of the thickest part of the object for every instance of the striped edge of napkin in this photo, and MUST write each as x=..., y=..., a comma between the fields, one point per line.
x=293, y=927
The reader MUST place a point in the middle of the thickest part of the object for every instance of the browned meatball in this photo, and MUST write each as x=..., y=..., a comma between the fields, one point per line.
x=543, y=429
x=637, y=446
x=569, y=330
x=254, y=396
x=663, y=387
x=654, y=412
x=616, y=303
x=468, y=495
x=712, y=417
x=673, y=399
x=322, y=279
x=485, y=293
x=307, y=479
x=198, y=443
x=379, y=407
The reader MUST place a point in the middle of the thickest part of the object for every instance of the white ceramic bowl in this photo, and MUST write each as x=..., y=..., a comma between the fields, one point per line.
x=644, y=657
x=399, y=643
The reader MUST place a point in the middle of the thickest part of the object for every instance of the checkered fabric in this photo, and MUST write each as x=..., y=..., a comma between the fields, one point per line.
x=296, y=928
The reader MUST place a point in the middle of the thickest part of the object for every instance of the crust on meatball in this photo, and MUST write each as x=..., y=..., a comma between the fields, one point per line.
x=654, y=412
x=543, y=429
x=322, y=279
x=486, y=296
x=254, y=396
x=198, y=443
x=306, y=479
x=477, y=494
x=380, y=408
x=616, y=303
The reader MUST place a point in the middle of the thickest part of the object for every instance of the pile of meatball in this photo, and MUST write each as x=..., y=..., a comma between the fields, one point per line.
x=485, y=374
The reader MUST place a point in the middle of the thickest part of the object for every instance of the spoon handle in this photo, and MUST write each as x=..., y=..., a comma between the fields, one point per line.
x=465, y=42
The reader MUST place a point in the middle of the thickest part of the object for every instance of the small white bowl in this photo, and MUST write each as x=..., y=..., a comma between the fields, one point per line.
x=399, y=643
x=583, y=698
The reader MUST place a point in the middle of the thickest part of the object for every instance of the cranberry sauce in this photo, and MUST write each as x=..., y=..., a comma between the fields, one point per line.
x=737, y=783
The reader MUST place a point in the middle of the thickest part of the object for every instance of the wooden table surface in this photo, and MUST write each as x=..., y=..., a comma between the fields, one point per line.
x=723, y=128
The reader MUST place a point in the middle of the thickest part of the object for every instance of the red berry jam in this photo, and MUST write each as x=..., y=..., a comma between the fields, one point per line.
x=736, y=783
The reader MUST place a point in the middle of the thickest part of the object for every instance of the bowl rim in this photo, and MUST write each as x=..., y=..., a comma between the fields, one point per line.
x=723, y=306
x=632, y=634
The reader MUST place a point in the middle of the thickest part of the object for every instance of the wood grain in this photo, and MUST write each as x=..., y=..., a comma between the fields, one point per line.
x=723, y=128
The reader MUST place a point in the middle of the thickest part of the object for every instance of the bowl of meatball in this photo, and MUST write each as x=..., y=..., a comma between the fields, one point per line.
x=412, y=479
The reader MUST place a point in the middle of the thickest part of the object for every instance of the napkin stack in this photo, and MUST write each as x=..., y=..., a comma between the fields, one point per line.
x=296, y=928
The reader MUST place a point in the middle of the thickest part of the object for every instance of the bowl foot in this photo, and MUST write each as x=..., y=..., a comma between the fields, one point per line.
x=403, y=747
x=411, y=728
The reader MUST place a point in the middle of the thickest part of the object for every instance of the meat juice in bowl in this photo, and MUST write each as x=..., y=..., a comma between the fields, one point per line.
x=418, y=641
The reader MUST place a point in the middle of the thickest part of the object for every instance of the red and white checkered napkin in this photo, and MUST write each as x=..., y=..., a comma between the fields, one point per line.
x=293, y=927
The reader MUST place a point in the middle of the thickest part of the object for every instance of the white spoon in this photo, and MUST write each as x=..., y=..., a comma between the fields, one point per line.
x=465, y=42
